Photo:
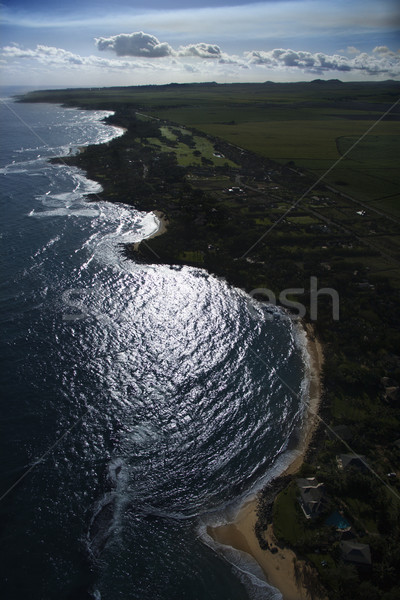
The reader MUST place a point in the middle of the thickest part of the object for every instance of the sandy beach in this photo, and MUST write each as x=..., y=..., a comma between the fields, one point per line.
x=163, y=223
x=162, y=228
x=282, y=570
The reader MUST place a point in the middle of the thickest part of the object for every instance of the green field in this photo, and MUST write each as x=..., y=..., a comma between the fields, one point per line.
x=369, y=171
x=188, y=154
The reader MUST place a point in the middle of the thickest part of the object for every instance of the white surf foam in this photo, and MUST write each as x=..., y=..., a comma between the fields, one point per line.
x=245, y=567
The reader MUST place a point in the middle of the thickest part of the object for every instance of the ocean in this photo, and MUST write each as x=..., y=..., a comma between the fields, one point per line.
x=140, y=402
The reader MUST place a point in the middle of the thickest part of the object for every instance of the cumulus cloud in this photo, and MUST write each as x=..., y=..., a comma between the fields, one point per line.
x=385, y=51
x=45, y=54
x=380, y=62
x=383, y=62
x=353, y=50
x=135, y=44
x=280, y=57
x=201, y=50
x=52, y=56
x=146, y=45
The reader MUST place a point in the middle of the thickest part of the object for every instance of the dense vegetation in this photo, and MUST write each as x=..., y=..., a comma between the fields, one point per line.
x=221, y=199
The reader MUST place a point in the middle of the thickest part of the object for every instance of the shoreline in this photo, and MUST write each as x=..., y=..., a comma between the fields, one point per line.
x=282, y=568
x=279, y=568
x=161, y=229
x=162, y=224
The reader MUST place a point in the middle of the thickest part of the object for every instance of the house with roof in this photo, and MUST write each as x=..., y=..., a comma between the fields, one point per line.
x=312, y=497
x=351, y=461
x=359, y=554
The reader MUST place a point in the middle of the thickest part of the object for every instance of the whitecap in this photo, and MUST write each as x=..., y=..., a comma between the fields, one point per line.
x=65, y=212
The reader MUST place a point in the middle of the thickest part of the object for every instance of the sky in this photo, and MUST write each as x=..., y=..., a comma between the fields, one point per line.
x=85, y=43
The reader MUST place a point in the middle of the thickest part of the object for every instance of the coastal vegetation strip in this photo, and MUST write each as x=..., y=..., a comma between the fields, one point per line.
x=345, y=233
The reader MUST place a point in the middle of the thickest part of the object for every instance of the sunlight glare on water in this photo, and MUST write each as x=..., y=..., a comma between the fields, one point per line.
x=171, y=385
